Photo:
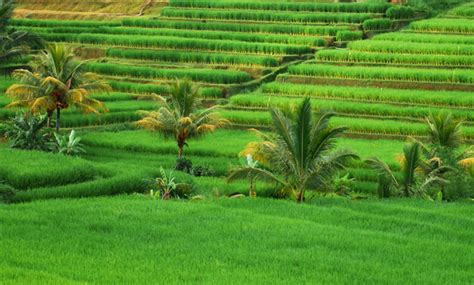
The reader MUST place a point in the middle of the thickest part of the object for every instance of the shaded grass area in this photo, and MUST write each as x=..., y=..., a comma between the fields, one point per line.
x=138, y=240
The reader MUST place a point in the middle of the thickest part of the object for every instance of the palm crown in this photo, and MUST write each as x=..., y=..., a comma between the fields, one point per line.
x=57, y=83
x=300, y=151
x=180, y=118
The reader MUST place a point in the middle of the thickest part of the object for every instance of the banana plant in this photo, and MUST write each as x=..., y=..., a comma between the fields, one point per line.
x=67, y=144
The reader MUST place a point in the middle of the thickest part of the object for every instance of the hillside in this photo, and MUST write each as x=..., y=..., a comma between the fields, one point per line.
x=365, y=176
x=137, y=240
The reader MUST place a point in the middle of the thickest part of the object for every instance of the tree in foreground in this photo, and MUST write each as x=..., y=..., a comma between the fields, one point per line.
x=56, y=83
x=438, y=164
x=299, y=154
x=180, y=117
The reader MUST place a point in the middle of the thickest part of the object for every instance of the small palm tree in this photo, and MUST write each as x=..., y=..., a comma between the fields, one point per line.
x=444, y=130
x=6, y=12
x=14, y=43
x=251, y=170
x=180, y=118
x=56, y=84
x=412, y=164
x=299, y=154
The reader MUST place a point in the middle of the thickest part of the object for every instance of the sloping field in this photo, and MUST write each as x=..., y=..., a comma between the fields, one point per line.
x=139, y=240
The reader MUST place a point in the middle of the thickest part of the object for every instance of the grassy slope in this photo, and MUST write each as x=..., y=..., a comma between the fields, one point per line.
x=133, y=239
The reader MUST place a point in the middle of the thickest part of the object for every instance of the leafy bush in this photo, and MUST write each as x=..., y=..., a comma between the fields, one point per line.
x=7, y=193
x=67, y=144
x=400, y=12
x=185, y=165
x=460, y=186
x=25, y=132
x=377, y=24
x=202, y=170
x=170, y=185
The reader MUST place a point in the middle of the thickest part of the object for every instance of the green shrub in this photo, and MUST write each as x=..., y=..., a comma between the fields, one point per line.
x=26, y=132
x=7, y=193
x=377, y=24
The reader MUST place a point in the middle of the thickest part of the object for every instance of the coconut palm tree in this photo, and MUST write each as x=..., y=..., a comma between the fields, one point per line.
x=14, y=43
x=416, y=176
x=444, y=130
x=180, y=118
x=409, y=162
x=299, y=154
x=6, y=11
x=57, y=83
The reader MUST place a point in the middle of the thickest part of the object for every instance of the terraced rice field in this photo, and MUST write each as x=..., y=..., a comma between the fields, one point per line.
x=249, y=56
x=379, y=77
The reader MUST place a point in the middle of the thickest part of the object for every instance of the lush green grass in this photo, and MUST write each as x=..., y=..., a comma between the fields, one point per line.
x=204, y=34
x=389, y=58
x=270, y=16
x=194, y=57
x=412, y=48
x=180, y=43
x=413, y=97
x=30, y=169
x=236, y=27
x=205, y=75
x=425, y=38
x=139, y=240
x=284, y=6
x=444, y=25
x=145, y=141
x=256, y=100
x=384, y=73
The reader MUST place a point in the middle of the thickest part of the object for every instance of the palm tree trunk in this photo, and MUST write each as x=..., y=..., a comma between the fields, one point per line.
x=181, y=141
x=50, y=118
x=180, y=151
x=300, y=196
x=58, y=118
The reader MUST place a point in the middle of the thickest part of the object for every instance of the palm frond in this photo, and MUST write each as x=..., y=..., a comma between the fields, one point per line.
x=258, y=173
